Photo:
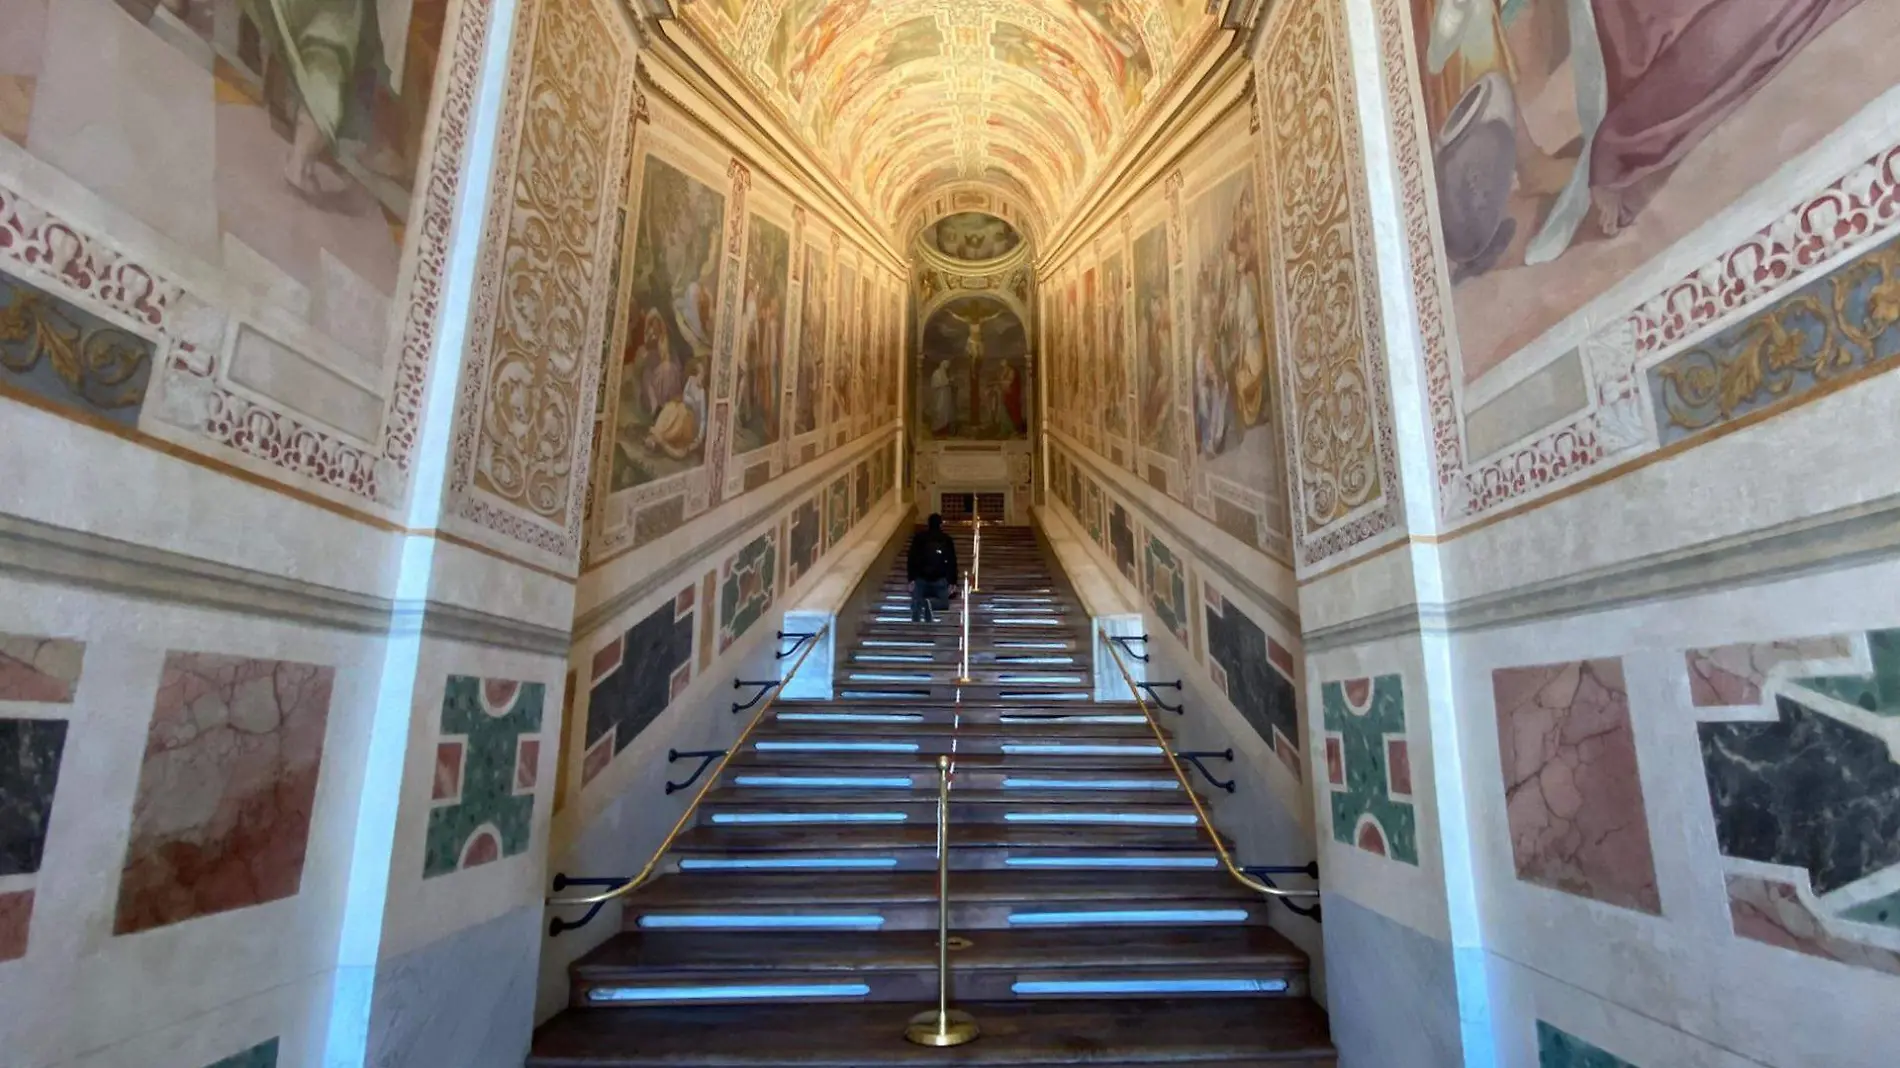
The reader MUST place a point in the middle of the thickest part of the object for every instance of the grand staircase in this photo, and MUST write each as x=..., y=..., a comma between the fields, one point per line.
x=1091, y=922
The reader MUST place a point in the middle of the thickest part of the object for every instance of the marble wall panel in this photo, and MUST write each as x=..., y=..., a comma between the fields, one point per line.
x=1560, y=1049
x=222, y=815
x=491, y=728
x=1369, y=766
x=635, y=678
x=747, y=587
x=1255, y=672
x=262, y=1055
x=804, y=542
x=1811, y=789
x=1166, y=580
x=1121, y=540
x=1575, y=802
x=39, y=669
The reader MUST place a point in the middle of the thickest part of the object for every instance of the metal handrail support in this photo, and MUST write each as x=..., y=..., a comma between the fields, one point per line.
x=943, y=1026
x=1123, y=640
x=765, y=686
x=801, y=637
x=1195, y=759
x=1200, y=811
x=1151, y=687
x=705, y=757
x=628, y=886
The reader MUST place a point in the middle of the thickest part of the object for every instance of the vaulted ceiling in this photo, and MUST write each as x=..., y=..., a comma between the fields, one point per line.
x=903, y=97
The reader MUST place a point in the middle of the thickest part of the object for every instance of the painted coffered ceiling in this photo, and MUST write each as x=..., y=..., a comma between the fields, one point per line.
x=901, y=97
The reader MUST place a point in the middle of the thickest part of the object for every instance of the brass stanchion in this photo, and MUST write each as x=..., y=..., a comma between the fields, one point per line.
x=963, y=661
x=943, y=1026
x=976, y=557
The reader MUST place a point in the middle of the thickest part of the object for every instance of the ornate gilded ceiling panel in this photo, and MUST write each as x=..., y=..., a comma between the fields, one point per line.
x=900, y=97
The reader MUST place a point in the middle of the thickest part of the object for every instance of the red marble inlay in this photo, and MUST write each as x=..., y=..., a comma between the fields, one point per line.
x=222, y=814
x=1288, y=754
x=1279, y=657
x=1398, y=764
x=500, y=695
x=16, y=915
x=682, y=678
x=608, y=658
x=1335, y=762
x=483, y=847
x=448, y=772
x=1372, y=838
x=1358, y=693
x=683, y=603
x=40, y=670
x=598, y=757
x=527, y=763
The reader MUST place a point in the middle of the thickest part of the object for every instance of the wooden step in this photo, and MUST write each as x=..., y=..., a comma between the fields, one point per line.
x=674, y=967
x=1286, y=1033
x=981, y=900
x=832, y=808
x=1009, y=718
x=913, y=847
x=1037, y=780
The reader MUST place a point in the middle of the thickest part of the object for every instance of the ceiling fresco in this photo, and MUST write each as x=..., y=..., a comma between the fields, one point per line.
x=901, y=97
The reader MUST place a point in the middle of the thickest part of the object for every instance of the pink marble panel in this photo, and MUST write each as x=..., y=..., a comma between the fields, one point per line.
x=1572, y=794
x=1734, y=674
x=1371, y=838
x=484, y=847
x=1398, y=763
x=1287, y=754
x=16, y=915
x=42, y=670
x=1335, y=762
x=596, y=759
x=607, y=659
x=222, y=815
x=1771, y=911
x=1280, y=657
x=448, y=772
x=527, y=764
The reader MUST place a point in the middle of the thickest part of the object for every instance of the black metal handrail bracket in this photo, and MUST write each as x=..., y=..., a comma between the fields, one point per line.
x=1123, y=640
x=1266, y=872
x=705, y=758
x=1195, y=759
x=765, y=686
x=562, y=882
x=1151, y=687
x=798, y=640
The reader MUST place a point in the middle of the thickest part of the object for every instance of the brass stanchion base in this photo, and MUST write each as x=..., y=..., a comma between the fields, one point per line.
x=953, y=1028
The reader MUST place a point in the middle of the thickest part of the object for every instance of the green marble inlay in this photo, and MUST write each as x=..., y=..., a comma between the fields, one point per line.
x=1561, y=1049
x=746, y=594
x=1363, y=745
x=263, y=1055
x=1879, y=692
x=1167, y=588
x=1884, y=911
x=489, y=800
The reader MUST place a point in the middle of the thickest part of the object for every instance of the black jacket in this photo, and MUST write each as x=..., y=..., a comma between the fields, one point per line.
x=933, y=557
